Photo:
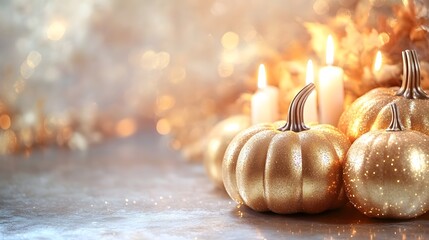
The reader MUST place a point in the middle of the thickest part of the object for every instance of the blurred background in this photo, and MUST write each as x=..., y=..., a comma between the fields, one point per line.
x=74, y=73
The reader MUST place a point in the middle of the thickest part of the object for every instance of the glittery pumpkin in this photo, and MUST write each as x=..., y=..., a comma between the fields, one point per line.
x=287, y=169
x=218, y=139
x=371, y=111
x=386, y=172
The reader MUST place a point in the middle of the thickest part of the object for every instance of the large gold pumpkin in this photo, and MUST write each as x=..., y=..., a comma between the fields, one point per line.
x=287, y=169
x=218, y=139
x=386, y=172
x=371, y=111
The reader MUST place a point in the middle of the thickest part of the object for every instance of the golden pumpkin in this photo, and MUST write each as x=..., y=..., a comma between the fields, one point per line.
x=287, y=169
x=370, y=112
x=218, y=139
x=386, y=173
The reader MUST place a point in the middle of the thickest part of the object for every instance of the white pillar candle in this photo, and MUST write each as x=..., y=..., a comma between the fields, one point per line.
x=330, y=88
x=310, y=108
x=264, y=105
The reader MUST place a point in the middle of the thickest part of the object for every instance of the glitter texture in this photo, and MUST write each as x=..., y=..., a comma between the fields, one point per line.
x=272, y=168
x=386, y=173
x=370, y=112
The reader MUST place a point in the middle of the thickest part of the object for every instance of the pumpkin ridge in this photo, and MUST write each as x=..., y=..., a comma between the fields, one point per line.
x=335, y=137
x=418, y=116
x=264, y=187
x=383, y=120
x=319, y=170
x=229, y=163
x=333, y=204
x=367, y=105
x=389, y=143
x=301, y=202
x=279, y=173
x=333, y=133
x=382, y=173
x=243, y=190
x=374, y=150
x=364, y=115
x=379, y=122
x=364, y=167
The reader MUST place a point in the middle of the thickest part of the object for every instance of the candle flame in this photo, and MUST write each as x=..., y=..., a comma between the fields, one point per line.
x=330, y=50
x=309, y=78
x=378, y=62
x=262, y=77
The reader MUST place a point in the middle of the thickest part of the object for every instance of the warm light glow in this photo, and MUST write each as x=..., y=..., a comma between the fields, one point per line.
x=383, y=38
x=56, y=30
x=378, y=61
x=5, y=121
x=26, y=71
x=225, y=69
x=321, y=7
x=417, y=161
x=230, y=40
x=262, y=77
x=164, y=60
x=126, y=127
x=150, y=60
x=309, y=78
x=405, y=2
x=233, y=127
x=165, y=102
x=163, y=127
x=33, y=59
x=330, y=50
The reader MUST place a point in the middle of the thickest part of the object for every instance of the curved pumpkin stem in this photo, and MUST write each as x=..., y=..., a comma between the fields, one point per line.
x=295, y=119
x=411, y=88
x=395, y=124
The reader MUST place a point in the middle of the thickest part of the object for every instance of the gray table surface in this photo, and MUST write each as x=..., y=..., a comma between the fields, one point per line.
x=137, y=188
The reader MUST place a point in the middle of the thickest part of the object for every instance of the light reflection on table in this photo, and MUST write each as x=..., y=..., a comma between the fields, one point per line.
x=137, y=188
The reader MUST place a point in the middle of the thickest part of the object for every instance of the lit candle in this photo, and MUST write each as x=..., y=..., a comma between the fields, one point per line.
x=310, y=108
x=264, y=105
x=330, y=88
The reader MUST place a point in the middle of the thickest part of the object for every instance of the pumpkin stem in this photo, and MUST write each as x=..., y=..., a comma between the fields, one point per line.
x=295, y=119
x=411, y=88
x=395, y=124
